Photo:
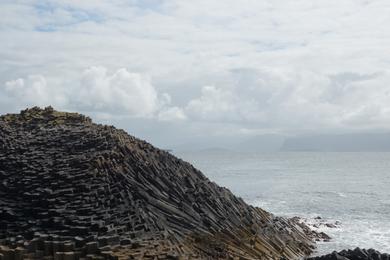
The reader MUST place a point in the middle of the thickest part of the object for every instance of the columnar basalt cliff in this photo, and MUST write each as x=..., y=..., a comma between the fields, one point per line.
x=72, y=189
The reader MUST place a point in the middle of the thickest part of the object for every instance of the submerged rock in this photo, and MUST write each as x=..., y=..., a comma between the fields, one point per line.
x=72, y=189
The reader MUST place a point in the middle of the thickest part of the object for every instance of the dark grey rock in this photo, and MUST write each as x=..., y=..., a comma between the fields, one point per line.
x=67, y=184
x=356, y=254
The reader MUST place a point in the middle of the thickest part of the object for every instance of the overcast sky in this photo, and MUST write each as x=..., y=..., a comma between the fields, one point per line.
x=176, y=71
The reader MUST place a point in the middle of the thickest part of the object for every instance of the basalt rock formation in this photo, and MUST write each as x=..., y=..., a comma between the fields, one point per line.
x=356, y=254
x=72, y=189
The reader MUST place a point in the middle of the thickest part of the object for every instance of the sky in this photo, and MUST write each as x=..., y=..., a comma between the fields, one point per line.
x=179, y=71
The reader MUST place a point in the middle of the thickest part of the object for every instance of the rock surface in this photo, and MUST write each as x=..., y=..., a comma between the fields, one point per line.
x=72, y=189
x=356, y=254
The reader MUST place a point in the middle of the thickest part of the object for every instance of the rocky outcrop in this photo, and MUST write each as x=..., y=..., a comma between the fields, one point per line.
x=72, y=189
x=356, y=254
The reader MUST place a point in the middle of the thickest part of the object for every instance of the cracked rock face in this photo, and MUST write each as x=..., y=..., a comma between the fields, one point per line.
x=71, y=188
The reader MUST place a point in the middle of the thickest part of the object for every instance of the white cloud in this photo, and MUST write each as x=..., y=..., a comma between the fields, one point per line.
x=172, y=114
x=121, y=92
x=308, y=65
x=297, y=100
x=33, y=91
x=213, y=103
x=217, y=104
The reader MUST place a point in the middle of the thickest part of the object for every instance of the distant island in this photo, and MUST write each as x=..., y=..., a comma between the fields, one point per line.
x=347, y=142
x=359, y=142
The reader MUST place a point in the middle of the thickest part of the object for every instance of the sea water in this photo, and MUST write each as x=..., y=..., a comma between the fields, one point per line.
x=349, y=189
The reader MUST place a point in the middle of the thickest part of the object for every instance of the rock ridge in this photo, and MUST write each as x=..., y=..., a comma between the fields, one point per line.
x=73, y=189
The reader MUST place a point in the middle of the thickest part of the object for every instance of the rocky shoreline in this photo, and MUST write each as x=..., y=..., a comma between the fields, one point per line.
x=72, y=189
x=356, y=254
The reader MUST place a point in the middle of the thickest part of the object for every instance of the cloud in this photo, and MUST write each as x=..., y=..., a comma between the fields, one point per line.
x=119, y=94
x=172, y=114
x=259, y=65
x=32, y=91
x=213, y=103
x=122, y=92
x=296, y=101
x=218, y=104
x=280, y=100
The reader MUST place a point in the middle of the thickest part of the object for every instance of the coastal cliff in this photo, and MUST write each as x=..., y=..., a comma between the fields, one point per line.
x=73, y=189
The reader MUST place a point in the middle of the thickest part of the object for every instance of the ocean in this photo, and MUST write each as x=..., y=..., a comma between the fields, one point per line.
x=349, y=191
